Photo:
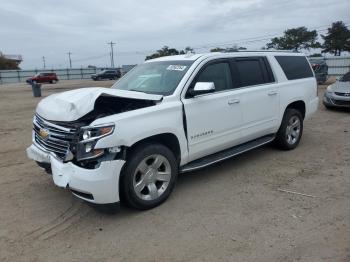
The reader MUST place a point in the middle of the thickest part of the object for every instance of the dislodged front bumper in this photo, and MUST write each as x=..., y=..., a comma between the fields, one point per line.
x=100, y=185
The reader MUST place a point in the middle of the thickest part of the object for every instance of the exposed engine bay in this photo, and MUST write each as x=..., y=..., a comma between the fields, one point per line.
x=109, y=105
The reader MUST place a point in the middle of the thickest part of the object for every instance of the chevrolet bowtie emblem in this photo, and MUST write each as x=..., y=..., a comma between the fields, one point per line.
x=44, y=133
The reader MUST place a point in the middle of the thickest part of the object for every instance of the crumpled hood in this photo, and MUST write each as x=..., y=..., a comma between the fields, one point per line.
x=341, y=87
x=74, y=104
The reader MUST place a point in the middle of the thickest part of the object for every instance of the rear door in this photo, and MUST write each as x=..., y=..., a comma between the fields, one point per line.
x=213, y=119
x=259, y=96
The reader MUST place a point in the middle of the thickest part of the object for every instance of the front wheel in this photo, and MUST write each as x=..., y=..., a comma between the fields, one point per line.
x=290, y=131
x=149, y=176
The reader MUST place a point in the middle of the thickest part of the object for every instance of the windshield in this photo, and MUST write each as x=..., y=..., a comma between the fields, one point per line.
x=154, y=77
x=345, y=78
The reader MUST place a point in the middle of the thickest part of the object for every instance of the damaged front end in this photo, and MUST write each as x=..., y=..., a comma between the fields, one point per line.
x=75, y=141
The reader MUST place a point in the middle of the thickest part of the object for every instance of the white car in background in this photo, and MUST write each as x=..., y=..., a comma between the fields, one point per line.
x=129, y=142
x=338, y=94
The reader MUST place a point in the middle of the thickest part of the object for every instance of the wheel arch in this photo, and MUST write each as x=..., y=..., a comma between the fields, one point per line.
x=169, y=140
x=298, y=105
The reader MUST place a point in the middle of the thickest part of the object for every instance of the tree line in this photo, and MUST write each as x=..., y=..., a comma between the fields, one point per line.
x=336, y=41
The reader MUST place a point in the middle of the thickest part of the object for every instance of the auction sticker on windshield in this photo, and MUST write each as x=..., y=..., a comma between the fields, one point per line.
x=176, y=67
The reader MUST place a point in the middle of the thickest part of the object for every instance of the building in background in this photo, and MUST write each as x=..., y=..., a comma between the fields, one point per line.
x=10, y=62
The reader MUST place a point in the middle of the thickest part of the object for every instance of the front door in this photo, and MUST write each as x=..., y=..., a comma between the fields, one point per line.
x=213, y=119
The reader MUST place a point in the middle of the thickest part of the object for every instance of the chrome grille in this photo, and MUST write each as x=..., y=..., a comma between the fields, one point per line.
x=59, y=138
x=342, y=94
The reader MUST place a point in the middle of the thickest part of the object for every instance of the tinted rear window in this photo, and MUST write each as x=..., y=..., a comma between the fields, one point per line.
x=295, y=67
x=253, y=71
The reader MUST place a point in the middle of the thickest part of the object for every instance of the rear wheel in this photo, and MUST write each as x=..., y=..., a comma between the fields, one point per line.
x=149, y=176
x=291, y=129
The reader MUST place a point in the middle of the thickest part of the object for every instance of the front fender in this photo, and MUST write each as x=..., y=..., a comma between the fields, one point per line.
x=134, y=126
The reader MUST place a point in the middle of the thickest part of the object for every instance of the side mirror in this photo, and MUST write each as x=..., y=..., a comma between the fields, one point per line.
x=202, y=88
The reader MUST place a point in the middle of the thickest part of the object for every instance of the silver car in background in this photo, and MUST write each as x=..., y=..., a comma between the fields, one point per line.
x=338, y=94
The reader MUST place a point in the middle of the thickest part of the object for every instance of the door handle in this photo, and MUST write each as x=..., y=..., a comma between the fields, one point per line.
x=272, y=93
x=233, y=101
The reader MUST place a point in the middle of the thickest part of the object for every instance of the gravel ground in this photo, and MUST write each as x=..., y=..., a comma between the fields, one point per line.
x=232, y=211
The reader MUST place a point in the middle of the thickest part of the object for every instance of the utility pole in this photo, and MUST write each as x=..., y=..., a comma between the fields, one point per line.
x=44, y=62
x=112, y=54
x=70, y=60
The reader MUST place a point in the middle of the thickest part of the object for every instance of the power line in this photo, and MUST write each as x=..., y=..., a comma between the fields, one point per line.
x=245, y=41
x=93, y=57
x=249, y=40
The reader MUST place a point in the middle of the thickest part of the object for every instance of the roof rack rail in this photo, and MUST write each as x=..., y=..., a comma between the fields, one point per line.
x=264, y=51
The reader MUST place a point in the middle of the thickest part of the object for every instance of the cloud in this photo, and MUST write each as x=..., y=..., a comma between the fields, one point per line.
x=52, y=28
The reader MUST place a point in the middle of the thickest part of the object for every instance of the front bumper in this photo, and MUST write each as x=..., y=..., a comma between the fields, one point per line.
x=331, y=100
x=100, y=185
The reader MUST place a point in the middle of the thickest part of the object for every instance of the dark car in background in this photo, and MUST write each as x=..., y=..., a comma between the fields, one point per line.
x=321, y=70
x=107, y=74
x=338, y=94
x=43, y=78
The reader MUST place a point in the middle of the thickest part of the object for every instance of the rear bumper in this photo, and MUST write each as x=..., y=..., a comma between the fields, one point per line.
x=100, y=185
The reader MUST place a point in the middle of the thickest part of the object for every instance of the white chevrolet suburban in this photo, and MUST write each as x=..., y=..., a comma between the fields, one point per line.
x=167, y=116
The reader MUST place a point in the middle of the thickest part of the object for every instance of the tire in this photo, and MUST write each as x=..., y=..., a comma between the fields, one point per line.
x=140, y=186
x=290, y=131
x=328, y=107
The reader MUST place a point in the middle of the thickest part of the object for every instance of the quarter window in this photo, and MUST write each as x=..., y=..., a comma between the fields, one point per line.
x=295, y=67
x=218, y=73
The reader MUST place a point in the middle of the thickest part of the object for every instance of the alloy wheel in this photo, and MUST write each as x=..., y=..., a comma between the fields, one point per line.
x=152, y=177
x=293, y=130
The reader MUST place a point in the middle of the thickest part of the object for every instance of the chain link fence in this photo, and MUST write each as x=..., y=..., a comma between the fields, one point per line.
x=15, y=76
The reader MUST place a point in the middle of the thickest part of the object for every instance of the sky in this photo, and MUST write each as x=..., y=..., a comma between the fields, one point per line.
x=52, y=28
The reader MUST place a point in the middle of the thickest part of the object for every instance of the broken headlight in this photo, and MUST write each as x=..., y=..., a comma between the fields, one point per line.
x=88, y=139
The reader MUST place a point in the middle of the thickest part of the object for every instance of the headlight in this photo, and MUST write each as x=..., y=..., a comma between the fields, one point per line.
x=88, y=139
x=329, y=90
x=96, y=132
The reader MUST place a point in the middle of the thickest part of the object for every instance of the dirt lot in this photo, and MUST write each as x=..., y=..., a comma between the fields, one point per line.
x=229, y=212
